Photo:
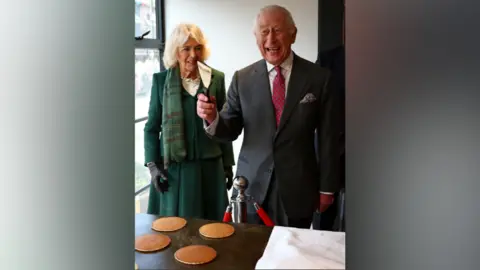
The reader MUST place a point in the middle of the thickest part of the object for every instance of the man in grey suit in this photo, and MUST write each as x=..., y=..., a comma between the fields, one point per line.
x=279, y=102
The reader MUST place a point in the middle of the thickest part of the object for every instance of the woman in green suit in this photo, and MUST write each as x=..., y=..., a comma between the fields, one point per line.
x=190, y=172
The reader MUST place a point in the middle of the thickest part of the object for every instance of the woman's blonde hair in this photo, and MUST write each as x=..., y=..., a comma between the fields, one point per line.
x=178, y=37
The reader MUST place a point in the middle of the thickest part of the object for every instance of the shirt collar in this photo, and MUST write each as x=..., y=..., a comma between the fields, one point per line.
x=287, y=64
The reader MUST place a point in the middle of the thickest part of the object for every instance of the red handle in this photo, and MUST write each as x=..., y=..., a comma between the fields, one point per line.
x=263, y=215
x=227, y=217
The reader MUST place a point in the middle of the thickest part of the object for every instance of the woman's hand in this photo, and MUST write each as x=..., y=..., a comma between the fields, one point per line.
x=158, y=177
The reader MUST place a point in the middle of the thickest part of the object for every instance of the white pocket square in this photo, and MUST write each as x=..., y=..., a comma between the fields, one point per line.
x=308, y=98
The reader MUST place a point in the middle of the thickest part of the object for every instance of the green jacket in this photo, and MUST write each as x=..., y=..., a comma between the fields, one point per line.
x=198, y=144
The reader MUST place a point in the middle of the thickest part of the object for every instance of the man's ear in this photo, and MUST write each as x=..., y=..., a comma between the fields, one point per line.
x=294, y=35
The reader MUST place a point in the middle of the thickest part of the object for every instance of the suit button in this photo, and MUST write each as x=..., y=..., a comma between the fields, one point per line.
x=270, y=170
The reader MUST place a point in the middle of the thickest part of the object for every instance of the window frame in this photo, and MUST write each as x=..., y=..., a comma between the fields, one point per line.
x=157, y=43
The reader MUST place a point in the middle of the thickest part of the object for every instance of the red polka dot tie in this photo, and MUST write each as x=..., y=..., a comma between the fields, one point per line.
x=278, y=97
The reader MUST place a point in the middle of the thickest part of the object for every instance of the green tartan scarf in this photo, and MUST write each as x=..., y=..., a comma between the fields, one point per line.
x=172, y=119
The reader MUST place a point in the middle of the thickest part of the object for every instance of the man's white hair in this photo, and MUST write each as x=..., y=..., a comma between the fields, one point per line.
x=178, y=37
x=288, y=17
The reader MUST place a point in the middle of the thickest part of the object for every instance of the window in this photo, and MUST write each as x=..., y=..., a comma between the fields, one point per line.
x=148, y=55
x=147, y=62
x=145, y=18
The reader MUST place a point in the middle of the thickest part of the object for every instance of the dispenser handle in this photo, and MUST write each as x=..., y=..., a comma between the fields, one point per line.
x=227, y=217
x=263, y=215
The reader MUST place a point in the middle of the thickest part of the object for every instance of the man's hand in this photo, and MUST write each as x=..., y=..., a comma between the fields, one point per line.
x=158, y=177
x=206, y=109
x=229, y=176
x=325, y=201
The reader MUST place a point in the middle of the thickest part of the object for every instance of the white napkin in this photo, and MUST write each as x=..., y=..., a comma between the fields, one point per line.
x=292, y=248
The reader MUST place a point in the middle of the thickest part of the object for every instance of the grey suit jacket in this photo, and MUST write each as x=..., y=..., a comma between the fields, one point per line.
x=288, y=149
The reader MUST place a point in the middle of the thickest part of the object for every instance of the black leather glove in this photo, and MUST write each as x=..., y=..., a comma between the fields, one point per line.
x=159, y=177
x=229, y=176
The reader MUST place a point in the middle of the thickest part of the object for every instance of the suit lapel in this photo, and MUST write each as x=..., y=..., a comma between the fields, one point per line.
x=262, y=84
x=295, y=91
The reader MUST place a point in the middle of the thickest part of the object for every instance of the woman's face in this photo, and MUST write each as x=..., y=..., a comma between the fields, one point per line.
x=188, y=55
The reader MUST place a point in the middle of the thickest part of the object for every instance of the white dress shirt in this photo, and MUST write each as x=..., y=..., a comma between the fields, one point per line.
x=192, y=85
x=286, y=71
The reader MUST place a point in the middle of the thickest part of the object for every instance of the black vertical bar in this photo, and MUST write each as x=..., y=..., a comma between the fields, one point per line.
x=330, y=24
x=160, y=4
x=158, y=20
x=319, y=46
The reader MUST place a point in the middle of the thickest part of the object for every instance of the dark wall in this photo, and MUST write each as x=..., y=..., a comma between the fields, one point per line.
x=330, y=24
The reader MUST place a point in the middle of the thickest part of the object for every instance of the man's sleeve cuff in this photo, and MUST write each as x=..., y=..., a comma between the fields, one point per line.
x=210, y=129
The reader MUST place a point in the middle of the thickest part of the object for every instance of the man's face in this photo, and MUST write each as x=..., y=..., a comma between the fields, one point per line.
x=274, y=38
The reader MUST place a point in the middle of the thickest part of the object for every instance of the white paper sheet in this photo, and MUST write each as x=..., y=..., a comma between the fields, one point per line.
x=292, y=248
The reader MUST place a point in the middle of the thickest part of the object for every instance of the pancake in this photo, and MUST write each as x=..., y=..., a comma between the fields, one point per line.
x=195, y=254
x=217, y=230
x=151, y=242
x=168, y=224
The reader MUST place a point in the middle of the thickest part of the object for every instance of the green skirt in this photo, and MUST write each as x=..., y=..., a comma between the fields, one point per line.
x=197, y=190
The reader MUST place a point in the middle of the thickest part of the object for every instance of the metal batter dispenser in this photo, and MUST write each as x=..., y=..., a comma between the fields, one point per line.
x=237, y=209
